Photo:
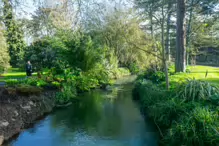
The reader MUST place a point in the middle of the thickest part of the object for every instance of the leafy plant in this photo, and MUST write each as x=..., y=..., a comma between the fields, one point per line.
x=198, y=127
x=41, y=83
x=32, y=81
x=56, y=84
x=134, y=68
x=66, y=95
x=154, y=76
x=12, y=82
x=85, y=83
x=194, y=90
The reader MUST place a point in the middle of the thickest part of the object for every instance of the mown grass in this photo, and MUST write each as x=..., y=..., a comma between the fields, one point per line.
x=203, y=73
x=14, y=73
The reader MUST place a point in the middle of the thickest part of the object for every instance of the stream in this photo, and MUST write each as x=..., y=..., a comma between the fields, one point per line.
x=98, y=118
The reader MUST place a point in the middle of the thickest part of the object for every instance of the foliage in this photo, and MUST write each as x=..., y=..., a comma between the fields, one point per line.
x=186, y=115
x=154, y=76
x=12, y=82
x=121, y=33
x=44, y=53
x=134, y=68
x=31, y=81
x=171, y=69
x=68, y=92
x=14, y=35
x=194, y=90
x=85, y=83
x=41, y=83
x=199, y=127
x=4, y=56
x=80, y=51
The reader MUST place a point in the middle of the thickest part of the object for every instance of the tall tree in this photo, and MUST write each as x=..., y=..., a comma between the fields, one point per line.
x=14, y=34
x=180, y=63
x=4, y=56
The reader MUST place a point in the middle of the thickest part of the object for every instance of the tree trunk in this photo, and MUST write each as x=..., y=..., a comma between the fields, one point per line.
x=164, y=60
x=180, y=64
x=188, y=42
x=167, y=43
x=151, y=23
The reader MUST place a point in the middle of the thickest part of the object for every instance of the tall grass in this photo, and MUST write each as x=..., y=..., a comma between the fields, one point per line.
x=194, y=90
x=187, y=115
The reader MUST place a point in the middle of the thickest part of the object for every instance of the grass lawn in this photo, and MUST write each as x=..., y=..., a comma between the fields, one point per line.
x=199, y=73
x=14, y=73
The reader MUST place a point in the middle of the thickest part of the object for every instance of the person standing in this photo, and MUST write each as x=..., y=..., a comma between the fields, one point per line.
x=29, y=69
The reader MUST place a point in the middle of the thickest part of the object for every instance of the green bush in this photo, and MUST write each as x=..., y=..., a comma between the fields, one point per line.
x=56, y=84
x=188, y=70
x=194, y=90
x=154, y=76
x=187, y=115
x=134, y=68
x=12, y=82
x=171, y=69
x=148, y=93
x=41, y=83
x=31, y=81
x=85, y=83
x=68, y=92
x=198, y=127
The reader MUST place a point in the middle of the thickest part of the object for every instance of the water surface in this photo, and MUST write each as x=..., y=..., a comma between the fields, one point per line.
x=99, y=118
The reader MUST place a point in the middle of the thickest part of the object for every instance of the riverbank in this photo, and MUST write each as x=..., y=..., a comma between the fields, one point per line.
x=187, y=114
x=21, y=104
x=20, y=111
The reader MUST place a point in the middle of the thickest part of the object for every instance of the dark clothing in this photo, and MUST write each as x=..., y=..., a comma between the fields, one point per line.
x=28, y=69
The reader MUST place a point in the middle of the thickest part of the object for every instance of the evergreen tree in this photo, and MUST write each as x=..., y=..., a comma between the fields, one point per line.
x=4, y=56
x=14, y=34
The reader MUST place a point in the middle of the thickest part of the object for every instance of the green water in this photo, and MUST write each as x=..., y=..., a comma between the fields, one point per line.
x=98, y=118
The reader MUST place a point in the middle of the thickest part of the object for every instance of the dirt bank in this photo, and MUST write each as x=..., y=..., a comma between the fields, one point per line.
x=18, y=112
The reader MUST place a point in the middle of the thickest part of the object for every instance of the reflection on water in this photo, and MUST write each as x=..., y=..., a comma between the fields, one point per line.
x=99, y=118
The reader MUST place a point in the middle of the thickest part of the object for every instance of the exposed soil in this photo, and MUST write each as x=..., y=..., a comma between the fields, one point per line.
x=18, y=112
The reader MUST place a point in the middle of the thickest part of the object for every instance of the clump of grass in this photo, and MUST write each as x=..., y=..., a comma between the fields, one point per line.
x=186, y=115
x=166, y=112
x=194, y=90
x=199, y=127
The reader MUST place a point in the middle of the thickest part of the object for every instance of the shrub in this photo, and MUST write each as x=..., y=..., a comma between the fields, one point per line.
x=186, y=116
x=134, y=68
x=164, y=112
x=148, y=93
x=171, y=69
x=56, y=84
x=198, y=127
x=67, y=93
x=154, y=76
x=188, y=70
x=31, y=81
x=85, y=83
x=12, y=82
x=41, y=83
x=194, y=90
